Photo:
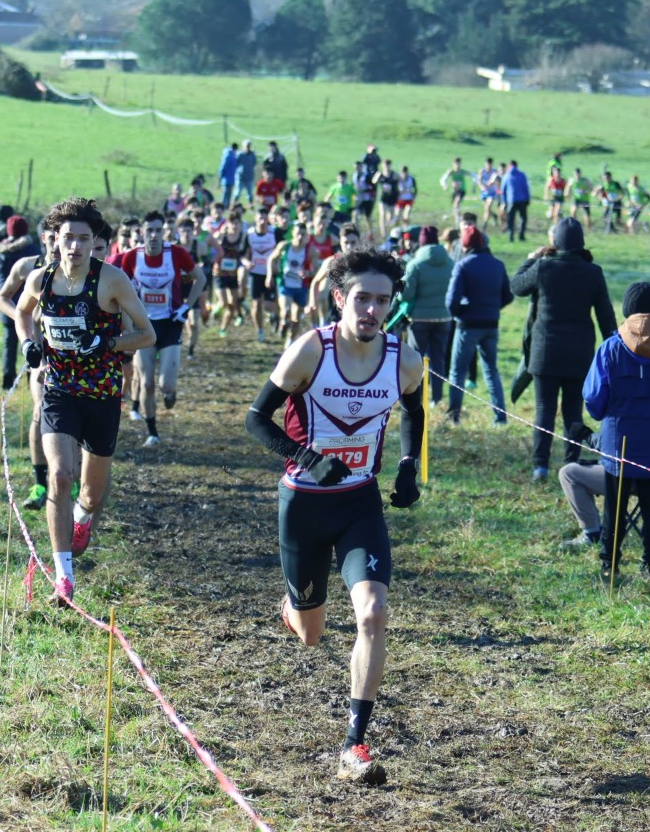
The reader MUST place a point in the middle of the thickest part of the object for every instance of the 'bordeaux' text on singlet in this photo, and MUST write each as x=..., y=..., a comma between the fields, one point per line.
x=337, y=417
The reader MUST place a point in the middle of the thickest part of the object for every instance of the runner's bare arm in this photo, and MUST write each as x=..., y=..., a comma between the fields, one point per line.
x=295, y=369
x=277, y=253
x=124, y=295
x=17, y=276
x=318, y=283
x=198, y=282
x=410, y=370
x=26, y=305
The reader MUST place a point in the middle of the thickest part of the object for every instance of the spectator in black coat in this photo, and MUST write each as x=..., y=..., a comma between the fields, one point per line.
x=567, y=286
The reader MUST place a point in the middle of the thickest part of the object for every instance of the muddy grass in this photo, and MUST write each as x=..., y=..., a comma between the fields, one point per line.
x=480, y=722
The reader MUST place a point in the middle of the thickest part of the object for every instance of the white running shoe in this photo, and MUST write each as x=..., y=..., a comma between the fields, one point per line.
x=151, y=442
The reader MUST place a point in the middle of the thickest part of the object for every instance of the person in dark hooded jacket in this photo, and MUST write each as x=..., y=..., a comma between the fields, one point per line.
x=617, y=392
x=567, y=286
x=425, y=286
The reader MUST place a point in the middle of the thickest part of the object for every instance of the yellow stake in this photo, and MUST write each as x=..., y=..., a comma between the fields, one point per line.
x=424, y=461
x=107, y=731
x=6, y=588
x=618, y=514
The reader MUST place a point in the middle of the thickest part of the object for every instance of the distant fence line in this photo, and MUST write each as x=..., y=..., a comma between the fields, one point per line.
x=288, y=141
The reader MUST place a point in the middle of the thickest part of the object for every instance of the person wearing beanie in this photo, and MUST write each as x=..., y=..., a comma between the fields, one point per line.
x=17, y=245
x=479, y=288
x=425, y=286
x=428, y=236
x=567, y=286
x=617, y=393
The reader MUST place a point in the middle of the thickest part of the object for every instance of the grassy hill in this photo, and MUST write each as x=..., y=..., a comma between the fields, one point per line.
x=421, y=126
x=516, y=693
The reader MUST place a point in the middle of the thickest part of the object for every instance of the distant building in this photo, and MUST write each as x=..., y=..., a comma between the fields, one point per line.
x=618, y=82
x=16, y=25
x=509, y=80
x=99, y=59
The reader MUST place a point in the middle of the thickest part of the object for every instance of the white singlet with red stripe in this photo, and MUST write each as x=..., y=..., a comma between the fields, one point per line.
x=337, y=417
x=154, y=285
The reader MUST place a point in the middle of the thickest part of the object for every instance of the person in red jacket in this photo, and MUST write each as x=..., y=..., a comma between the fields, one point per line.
x=268, y=188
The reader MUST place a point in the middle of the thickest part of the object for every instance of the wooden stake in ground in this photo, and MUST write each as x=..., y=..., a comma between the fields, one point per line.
x=107, y=730
x=424, y=457
x=618, y=514
x=6, y=586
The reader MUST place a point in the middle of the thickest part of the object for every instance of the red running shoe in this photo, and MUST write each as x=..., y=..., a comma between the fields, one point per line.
x=80, y=537
x=63, y=589
x=357, y=765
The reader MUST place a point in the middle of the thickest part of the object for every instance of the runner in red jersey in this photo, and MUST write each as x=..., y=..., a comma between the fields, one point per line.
x=268, y=189
x=157, y=271
x=322, y=245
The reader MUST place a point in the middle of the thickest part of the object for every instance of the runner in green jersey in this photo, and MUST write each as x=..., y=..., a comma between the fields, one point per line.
x=456, y=176
x=638, y=197
x=579, y=188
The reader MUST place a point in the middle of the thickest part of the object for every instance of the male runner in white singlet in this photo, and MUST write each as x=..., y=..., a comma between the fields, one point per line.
x=341, y=383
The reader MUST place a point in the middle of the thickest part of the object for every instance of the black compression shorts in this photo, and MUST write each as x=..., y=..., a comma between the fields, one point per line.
x=169, y=333
x=365, y=208
x=311, y=525
x=94, y=423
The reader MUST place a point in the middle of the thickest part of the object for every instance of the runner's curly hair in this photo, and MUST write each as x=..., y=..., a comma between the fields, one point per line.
x=344, y=269
x=75, y=209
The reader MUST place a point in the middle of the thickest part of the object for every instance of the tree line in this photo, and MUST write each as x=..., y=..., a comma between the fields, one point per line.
x=374, y=40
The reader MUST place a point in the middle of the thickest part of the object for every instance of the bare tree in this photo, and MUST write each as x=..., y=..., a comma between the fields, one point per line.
x=592, y=63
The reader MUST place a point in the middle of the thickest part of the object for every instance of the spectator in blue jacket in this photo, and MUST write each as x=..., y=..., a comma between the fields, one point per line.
x=617, y=392
x=227, y=170
x=516, y=194
x=478, y=290
x=245, y=172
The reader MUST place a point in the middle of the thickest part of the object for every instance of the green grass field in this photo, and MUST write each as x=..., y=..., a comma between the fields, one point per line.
x=423, y=127
x=516, y=692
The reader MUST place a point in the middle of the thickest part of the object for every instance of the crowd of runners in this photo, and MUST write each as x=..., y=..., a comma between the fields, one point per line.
x=105, y=316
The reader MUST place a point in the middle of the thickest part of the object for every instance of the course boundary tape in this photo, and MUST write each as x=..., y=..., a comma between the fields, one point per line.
x=35, y=562
x=537, y=427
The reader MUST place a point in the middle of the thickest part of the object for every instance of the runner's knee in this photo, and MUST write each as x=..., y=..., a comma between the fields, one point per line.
x=60, y=480
x=311, y=633
x=372, y=617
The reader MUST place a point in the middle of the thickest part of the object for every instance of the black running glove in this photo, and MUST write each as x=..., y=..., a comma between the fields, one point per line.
x=87, y=343
x=325, y=470
x=33, y=352
x=406, y=491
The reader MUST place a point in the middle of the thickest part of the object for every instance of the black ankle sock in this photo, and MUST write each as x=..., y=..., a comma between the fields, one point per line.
x=151, y=427
x=135, y=406
x=359, y=714
x=40, y=475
